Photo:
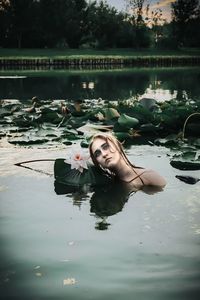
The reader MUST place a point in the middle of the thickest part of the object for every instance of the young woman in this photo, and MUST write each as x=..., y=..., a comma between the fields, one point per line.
x=107, y=152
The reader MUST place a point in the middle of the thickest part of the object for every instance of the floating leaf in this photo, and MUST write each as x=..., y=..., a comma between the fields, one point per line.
x=148, y=128
x=185, y=165
x=188, y=179
x=169, y=141
x=122, y=135
x=92, y=176
x=126, y=121
x=148, y=103
x=90, y=129
x=110, y=113
x=84, y=144
x=66, y=142
x=26, y=140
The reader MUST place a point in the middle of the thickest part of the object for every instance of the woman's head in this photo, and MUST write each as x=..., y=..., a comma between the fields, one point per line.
x=106, y=151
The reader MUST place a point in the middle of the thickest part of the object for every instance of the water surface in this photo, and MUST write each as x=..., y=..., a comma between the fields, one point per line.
x=87, y=246
x=113, y=84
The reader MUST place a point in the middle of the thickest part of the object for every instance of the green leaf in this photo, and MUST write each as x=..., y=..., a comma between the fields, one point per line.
x=92, y=176
x=126, y=121
x=148, y=103
x=89, y=129
x=25, y=140
x=185, y=165
x=148, y=128
x=169, y=141
x=110, y=113
x=122, y=135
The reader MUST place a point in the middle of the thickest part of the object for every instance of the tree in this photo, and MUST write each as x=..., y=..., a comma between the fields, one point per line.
x=18, y=22
x=103, y=24
x=136, y=7
x=4, y=24
x=142, y=36
x=184, y=12
x=62, y=22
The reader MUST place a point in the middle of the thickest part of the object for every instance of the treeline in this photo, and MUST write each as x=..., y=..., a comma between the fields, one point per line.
x=91, y=24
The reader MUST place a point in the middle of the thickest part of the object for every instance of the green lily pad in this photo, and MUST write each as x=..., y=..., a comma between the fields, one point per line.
x=128, y=122
x=110, y=113
x=4, y=112
x=84, y=144
x=185, y=165
x=89, y=129
x=66, y=142
x=148, y=103
x=26, y=140
x=169, y=141
x=148, y=128
x=92, y=176
x=122, y=136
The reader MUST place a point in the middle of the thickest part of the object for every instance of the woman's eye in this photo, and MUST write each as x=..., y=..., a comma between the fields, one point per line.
x=105, y=146
x=97, y=153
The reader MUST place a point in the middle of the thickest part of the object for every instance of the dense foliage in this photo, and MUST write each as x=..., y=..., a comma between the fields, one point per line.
x=85, y=24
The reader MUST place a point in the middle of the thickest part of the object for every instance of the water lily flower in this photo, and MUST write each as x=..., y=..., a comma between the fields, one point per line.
x=77, y=158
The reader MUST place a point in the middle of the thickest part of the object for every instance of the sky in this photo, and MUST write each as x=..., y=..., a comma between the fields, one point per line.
x=164, y=5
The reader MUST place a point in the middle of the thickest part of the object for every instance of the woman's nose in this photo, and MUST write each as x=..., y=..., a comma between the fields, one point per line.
x=104, y=153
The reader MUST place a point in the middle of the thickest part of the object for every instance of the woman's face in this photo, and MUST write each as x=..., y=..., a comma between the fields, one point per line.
x=105, y=153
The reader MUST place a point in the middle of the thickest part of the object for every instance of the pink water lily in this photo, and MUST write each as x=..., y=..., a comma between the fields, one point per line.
x=77, y=158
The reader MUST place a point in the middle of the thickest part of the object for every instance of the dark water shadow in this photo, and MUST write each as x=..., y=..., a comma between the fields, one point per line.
x=105, y=201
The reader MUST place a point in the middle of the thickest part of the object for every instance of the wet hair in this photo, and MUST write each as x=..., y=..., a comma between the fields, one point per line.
x=108, y=137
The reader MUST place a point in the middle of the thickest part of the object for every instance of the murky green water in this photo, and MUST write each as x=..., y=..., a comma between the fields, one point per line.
x=113, y=84
x=102, y=245
x=96, y=246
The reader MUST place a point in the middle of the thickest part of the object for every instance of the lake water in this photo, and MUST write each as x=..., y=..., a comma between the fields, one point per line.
x=113, y=84
x=97, y=245
x=86, y=246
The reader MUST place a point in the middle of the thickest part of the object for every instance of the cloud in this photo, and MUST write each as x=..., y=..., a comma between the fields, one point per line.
x=162, y=3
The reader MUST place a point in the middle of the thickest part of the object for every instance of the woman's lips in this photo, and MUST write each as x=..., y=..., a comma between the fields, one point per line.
x=108, y=160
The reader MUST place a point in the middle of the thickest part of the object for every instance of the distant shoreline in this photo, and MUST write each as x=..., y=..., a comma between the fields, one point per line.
x=91, y=57
x=153, y=61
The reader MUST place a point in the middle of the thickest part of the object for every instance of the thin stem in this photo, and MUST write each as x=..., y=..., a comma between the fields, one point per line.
x=35, y=160
x=183, y=134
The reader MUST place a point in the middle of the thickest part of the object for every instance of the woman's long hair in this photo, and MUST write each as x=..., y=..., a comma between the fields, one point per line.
x=108, y=137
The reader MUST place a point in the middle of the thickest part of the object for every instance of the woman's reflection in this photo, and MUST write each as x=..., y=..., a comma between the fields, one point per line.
x=105, y=201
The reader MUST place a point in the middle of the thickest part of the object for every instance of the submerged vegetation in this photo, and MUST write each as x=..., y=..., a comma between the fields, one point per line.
x=172, y=124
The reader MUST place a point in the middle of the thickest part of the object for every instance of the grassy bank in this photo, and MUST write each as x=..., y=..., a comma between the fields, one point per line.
x=89, y=53
x=31, y=58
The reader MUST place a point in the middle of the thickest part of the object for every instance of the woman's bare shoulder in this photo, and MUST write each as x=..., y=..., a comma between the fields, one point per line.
x=152, y=177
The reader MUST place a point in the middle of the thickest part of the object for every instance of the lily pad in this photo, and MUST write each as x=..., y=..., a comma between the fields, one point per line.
x=89, y=129
x=110, y=113
x=27, y=141
x=148, y=128
x=122, y=135
x=188, y=179
x=169, y=141
x=148, y=103
x=185, y=165
x=92, y=176
x=128, y=122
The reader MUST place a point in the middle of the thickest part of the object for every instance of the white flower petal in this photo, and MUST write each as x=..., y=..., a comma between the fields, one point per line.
x=77, y=158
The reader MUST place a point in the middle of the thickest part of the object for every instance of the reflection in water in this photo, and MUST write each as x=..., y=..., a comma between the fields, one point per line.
x=105, y=201
x=108, y=201
x=161, y=84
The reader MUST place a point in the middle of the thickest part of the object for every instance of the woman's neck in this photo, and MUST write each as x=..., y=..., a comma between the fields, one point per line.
x=124, y=171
